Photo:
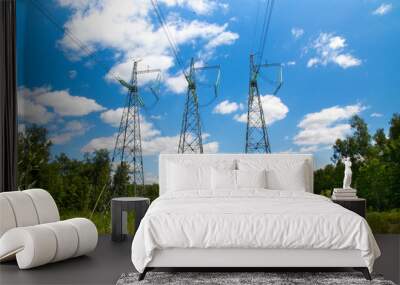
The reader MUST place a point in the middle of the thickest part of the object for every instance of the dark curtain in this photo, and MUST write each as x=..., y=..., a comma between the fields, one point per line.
x=8, y=97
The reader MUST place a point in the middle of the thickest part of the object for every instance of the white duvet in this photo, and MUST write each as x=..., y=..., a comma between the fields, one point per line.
x=250, y=219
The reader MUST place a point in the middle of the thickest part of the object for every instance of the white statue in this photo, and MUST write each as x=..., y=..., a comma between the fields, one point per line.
x=347, y=173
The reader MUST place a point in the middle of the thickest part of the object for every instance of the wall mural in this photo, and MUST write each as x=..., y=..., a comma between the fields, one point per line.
x=80, y=63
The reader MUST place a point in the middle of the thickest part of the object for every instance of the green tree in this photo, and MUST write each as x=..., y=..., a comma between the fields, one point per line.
x=33, y=157
x=121, y=180
x=329, y=177
x=75, y=186
x=98, y=169
x=392, y=156
x=376, y=166
x=356, y=145
x=394, y=130
x=373, y=184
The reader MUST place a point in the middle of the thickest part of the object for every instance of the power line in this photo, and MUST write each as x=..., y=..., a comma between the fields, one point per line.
x=83, y=47
x=170, y=39
x=266, y=24
x=175, y=51
x=255, y=27
x=90, y=52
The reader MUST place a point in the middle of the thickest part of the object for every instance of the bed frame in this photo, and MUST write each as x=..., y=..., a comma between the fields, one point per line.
x=237, y=259
x=249, y=259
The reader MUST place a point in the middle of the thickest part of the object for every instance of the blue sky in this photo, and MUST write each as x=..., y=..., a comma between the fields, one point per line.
x=340, y=58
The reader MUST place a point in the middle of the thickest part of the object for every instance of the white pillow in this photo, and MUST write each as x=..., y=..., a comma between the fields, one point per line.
x=282, y=174
x=183, y=177
x=251, y=178
x=223, y=179
x=293, y=179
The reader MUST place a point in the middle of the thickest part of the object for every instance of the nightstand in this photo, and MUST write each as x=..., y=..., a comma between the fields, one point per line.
x=119, y=208
x=356, y=205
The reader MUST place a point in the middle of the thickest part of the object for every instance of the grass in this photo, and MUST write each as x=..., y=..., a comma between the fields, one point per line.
x=387, y=222
x=384, y=222
x=101, y=220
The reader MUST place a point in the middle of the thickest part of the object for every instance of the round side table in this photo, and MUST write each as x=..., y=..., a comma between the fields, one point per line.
x=119, y=214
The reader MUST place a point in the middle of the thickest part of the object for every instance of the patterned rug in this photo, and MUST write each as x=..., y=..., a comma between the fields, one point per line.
x=244, y=278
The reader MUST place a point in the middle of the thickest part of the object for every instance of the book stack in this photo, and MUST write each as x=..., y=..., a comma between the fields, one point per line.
x=344, y=194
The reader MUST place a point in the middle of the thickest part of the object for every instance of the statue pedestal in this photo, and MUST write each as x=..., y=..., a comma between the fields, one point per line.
x=344, y=194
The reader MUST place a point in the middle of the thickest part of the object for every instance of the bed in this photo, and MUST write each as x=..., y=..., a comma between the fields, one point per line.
x=246, y=211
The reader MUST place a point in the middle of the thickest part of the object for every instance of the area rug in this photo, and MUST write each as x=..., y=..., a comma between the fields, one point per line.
x=244, y=278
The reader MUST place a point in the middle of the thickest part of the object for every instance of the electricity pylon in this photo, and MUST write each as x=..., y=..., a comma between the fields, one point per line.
x=257, y=140
x=128, y=144
x=190, y=140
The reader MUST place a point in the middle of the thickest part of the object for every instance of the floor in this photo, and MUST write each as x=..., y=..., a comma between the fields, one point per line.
x=110, y=260
x=103, y=266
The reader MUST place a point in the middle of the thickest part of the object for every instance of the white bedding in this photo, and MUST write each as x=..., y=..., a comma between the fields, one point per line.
x=250, y=219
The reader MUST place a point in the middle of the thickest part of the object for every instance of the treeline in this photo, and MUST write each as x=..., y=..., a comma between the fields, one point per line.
x=376, y=165
x=74, y=184
x=77, y=184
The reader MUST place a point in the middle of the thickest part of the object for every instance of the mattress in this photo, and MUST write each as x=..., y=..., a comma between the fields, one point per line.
x=250, y=219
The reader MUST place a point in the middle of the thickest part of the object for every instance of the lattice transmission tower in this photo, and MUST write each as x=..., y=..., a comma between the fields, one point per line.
x=257, y=140
x=190, y=140
x=128, y=144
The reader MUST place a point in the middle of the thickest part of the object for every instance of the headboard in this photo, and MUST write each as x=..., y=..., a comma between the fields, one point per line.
x=212, y=159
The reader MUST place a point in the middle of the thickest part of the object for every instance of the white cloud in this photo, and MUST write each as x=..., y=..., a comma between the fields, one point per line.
x=376, y=115
x=383, y=9
x=124, y=69
x=328, y=48
x=309, y=149
x=290, y=63
x=30, y=111
x=100, y=143
x=241, y=118
x=64, y=104
x=73, y=3
x=297, y=32
x=152, y=140
x=151, y=146
x=128, y=30
x=226, y=107
x=330, y=115
x=156, y=117
x=336, y=42
x=322, y=135
x=225, y=38
x=325, y=127
x=312, y=61
x=201, y=7
x=274, y=110
x=346, y=60
x=169, y=144
x=177, y=84
x=34, y=105
x=72, y=129
x=113, y=118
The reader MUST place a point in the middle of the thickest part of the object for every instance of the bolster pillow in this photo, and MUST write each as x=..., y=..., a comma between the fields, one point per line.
x=40, y=244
